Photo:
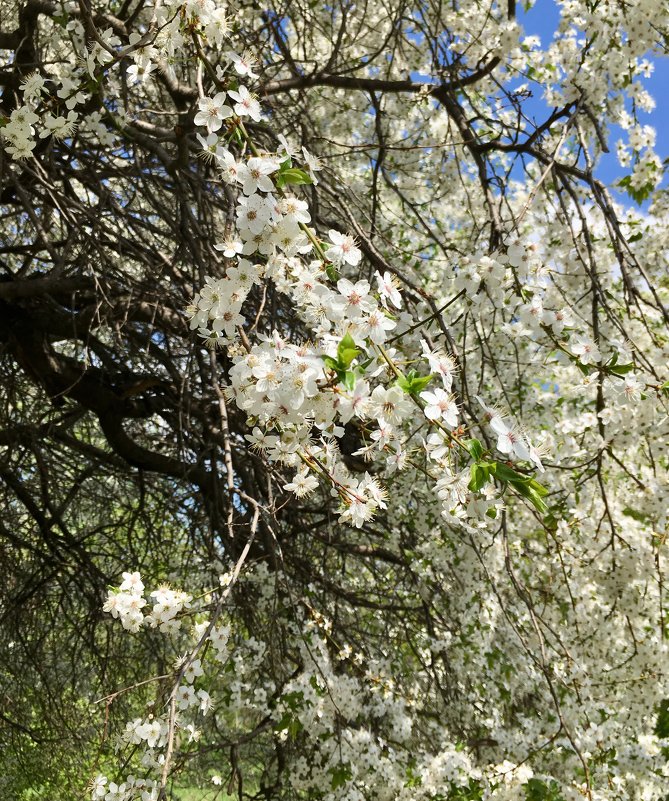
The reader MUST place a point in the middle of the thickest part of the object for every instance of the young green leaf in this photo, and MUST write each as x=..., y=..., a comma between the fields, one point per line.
x=347, y=350
x=412, y=383
x=621, y=369
x=293, y=176
x=479, y=476
x=475, y=449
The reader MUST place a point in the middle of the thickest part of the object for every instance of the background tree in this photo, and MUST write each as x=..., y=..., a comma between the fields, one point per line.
x=388, y=597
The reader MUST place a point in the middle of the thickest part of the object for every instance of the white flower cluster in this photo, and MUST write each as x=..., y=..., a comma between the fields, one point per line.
x=511, y=439
x=132, y=788
x=293, y=392
x=152, y=732
x=127, y=601
x=168, y=604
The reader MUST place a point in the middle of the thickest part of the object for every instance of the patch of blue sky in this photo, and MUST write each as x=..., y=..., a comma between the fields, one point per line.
x=542, y=20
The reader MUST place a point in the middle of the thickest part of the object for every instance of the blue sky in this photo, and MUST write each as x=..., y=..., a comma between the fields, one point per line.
x=542, y=20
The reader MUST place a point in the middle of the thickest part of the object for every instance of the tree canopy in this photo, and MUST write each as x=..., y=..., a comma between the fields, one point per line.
x=334, y=402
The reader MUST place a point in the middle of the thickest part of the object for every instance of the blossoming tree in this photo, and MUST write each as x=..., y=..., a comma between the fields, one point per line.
x=325, y=348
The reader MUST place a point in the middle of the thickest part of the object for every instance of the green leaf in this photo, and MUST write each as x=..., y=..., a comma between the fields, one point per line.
x=471, y=792
x=621, y=369
x=289, y=723
x=662, y=723
x=403, y=383
x=293, y=176
x=526, y=486
x=532, y=496
x=504, y=473
x=475, y=449
x=639, y=194
x=538, y=488
x=418, y=383
x=537, y=790
x=347, y=350
x=340, y=775
x=331, y=272
x=479, y=476
x=550, y=522
x=412, y=383
x=237, y=136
